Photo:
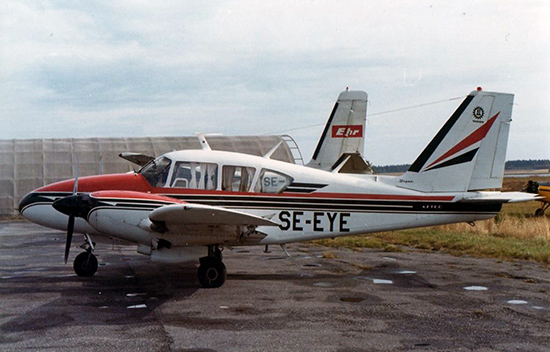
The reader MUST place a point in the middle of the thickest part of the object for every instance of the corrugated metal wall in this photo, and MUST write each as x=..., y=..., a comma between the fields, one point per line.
x=28, y=164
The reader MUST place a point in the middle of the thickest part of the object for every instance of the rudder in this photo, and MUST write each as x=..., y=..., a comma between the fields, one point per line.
x=344, y=132
x=469, y=151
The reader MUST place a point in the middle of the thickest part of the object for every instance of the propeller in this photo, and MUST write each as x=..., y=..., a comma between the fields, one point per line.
x=75, y=205
x=70, y=230
x=71, y=206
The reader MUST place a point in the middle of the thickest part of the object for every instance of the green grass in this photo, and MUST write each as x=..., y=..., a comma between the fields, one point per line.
x=456, y=243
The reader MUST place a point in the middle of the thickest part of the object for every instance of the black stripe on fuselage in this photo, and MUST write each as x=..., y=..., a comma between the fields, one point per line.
x=308, y=185
x=306, y=204
x=44, y=198
x=369, y=207
x=348, y=205
x=301, y=187
x=427, y=153
x=50, y=197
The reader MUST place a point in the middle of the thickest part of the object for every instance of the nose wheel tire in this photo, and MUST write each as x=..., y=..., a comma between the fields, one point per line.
x=85, y=264
x=212, y=273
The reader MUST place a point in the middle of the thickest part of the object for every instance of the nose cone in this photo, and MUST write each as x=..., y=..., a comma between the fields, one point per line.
x=78, y=205
x=26, y=201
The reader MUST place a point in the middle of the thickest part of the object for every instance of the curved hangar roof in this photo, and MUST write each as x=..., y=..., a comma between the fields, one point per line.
x=31, y=163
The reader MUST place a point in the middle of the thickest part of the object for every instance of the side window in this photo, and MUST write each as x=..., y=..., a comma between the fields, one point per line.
x=194, y=175
x=156, y=172
x=272, y=182
x=237, y=178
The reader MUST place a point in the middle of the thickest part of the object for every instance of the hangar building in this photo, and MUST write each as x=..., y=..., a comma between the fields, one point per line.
x=31, y=163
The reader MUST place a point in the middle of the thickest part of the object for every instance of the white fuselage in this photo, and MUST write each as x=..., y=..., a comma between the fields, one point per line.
x=313, y=204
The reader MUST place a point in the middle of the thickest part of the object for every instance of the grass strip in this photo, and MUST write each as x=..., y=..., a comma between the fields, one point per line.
x=455, y=243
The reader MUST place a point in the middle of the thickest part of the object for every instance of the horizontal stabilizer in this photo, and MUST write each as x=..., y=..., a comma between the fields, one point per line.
x=501, y=197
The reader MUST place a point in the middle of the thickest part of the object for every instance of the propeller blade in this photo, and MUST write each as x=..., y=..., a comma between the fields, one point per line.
x=71, y=206
x=75, y=187
x=70, y=229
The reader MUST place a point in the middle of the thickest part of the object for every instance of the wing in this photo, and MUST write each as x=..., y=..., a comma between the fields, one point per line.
x=135, y=215
x=198, y=214
x=203, y=224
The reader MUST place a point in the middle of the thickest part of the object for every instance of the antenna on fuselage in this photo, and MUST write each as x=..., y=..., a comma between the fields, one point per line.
x=203, y=141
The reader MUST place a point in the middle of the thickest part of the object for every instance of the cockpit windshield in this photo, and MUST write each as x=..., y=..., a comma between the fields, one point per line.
x=156, y=172
x=165, y=173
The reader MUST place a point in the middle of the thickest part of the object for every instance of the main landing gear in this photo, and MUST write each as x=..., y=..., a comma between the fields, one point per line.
x=212, y=272
x=540, y=211
x=85, y=264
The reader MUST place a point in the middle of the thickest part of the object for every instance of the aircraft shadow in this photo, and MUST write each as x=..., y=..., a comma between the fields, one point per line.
x=117, y=294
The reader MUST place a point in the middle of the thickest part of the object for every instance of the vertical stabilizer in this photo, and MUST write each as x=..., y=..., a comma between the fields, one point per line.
x=469, y=151
x=344, y=131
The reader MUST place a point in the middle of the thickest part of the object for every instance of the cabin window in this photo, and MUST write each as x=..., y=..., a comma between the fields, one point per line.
x=194, y=175
x=156, y=172
x=237, y=178
x=272, y=182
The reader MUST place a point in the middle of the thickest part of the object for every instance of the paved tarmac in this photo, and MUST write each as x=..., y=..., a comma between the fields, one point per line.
x=320, y=299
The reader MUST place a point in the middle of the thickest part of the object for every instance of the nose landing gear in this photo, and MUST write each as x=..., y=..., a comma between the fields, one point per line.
x=212, y=272
x=85, y=264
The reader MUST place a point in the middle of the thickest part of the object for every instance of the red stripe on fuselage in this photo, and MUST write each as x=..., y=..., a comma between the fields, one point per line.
x=180, y=192
x=131, y=195
x=120, y=182
x=135, y=186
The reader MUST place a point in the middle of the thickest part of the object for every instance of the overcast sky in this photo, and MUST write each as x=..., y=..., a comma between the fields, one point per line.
x=136, y=68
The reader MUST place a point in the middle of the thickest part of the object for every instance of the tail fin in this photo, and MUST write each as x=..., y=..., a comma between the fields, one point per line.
x=344, y=132
x=469, y=151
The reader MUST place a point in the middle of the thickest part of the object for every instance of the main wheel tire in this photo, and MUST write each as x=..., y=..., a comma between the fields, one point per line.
x=539, y=212
x=85, y=264
x=212, y=273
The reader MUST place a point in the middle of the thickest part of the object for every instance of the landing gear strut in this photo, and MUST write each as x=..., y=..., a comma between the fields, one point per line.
x=540, y=211
x=212, y=272
x=85, y=264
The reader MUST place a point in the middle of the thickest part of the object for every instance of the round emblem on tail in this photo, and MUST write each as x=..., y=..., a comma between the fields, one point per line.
x=478, y=112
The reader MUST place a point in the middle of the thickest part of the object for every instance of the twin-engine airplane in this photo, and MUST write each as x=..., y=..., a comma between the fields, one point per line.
x=189, y=204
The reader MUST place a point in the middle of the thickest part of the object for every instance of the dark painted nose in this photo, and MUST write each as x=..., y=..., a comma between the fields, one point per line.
x=26, y=201
x=78, y=205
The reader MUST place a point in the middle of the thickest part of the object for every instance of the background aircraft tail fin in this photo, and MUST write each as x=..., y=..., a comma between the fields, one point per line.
x=469, y=151
x=344, y=131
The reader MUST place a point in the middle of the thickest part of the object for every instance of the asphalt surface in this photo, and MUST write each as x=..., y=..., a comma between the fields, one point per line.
x=320, y=299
